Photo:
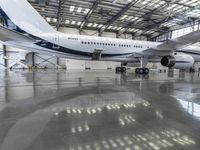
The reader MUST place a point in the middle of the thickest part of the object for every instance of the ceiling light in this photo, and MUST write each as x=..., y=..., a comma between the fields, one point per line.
x=73, y=22
x=114, y=28
x=110, y=27
x=89, y=25
x=79, y=23
x=71, y=8
x=119, y=28
x=54, y=20
x=67, y=21
x=86, y=10
x=95, y=25
x=101, y=25
x=48, y=19
x=79, y=9
x=123, y=17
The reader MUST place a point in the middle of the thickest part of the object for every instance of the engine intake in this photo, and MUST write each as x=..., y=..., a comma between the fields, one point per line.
x=178, y=61
x=168, y=61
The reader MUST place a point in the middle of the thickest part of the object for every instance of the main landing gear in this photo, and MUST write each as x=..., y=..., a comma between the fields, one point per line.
x=120, y=69
x=142, y=71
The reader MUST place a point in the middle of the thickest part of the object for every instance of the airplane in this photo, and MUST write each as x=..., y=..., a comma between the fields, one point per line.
x=23, y=27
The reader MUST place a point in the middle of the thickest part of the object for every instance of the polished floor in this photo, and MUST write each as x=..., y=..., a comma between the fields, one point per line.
x=99, y=110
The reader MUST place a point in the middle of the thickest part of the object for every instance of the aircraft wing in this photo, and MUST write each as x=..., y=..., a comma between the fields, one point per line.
x=172, y=45
x=7, y=35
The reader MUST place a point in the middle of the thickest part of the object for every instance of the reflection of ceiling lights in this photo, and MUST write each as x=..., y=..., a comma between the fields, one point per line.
x=156, y=140
x=80, y=128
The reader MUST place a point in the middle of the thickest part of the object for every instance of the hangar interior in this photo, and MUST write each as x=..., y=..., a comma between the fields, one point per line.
x=156, y=20
x=99, y=109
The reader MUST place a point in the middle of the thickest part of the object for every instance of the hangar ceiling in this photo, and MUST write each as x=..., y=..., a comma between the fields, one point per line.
x=142, y=17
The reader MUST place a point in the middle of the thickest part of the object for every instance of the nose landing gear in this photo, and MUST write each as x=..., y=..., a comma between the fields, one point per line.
x=120, y=69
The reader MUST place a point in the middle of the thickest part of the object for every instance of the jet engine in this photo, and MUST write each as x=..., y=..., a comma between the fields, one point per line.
x=178, y=61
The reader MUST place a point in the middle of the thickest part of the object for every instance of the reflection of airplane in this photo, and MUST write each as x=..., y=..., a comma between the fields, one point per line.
x=26, y=29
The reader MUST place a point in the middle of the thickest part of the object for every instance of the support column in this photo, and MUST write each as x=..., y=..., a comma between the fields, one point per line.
x=133, y=36
x=117, y=35
x=33, y=59
x=58, y=61
x=99, y=33
x=198, y=25
x=5, y=55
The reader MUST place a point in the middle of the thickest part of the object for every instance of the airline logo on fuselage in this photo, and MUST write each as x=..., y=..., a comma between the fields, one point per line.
x=71, y=38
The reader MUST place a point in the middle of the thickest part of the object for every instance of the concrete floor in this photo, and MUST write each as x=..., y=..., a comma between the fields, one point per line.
x=99, y=110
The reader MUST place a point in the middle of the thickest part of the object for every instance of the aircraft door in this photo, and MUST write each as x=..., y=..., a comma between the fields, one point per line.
x=56, y=42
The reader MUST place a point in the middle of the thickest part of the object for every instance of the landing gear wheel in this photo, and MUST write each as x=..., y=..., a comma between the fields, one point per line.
x=142, y=71
x=146, y=71
x=123, y=69
x=137, y=70
x=120, y=69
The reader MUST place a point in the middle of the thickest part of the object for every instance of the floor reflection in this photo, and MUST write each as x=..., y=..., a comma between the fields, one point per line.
x=99, y=111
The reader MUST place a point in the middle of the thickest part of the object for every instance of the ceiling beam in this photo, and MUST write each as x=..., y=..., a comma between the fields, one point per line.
x=124, y=10
x=60, y=4
x=95, y=5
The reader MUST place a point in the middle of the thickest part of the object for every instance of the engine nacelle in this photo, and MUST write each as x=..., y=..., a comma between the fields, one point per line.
x=178, y=61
